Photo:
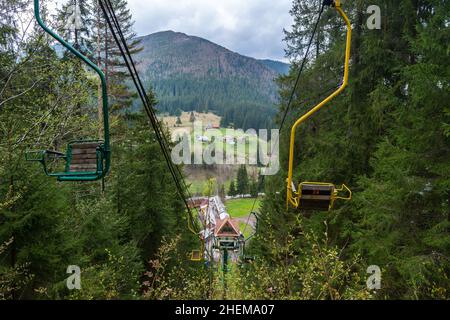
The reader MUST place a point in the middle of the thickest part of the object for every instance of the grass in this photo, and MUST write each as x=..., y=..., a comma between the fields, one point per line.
x=246, y=231
x=199, y=185
x=250, y=144
x=241, y=208
x=206, y=118
x=196, y=186
x=238, y=208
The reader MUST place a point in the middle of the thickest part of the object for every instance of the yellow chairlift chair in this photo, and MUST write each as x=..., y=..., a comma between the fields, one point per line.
x=318, y=195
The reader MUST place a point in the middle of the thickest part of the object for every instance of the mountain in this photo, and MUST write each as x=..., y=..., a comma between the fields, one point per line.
x=278, y=66
x=191, y=73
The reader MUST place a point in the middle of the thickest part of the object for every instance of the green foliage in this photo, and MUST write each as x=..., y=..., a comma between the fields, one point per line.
x=171, y=279
x=242, y=181
x=178, y=113
x=315, y=270
x=115, y=278
x=222, y=193
x=210, y=187
x=386, y=137
x=12, y=279
x=184, y=73
x=253, y=188
x=232, y=191
x=45, y=226
x=79, y=38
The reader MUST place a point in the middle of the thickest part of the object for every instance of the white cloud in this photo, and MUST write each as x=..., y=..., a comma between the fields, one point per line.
x=250, y=27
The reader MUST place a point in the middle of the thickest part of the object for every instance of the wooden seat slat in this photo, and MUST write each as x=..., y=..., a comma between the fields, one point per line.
x=84, y=151
x=83, y=167
x=84, y=156
x=84, y=161
x=93, y=145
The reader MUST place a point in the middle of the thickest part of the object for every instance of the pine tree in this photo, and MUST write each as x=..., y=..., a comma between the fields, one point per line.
x=378, y=137
x=109, y=57
x=39, y=99
x=222, y=192
x=305, y=13
x=75, y=24
x=418, y=194
x=232, y=191
x=192, y=117
x=45, y=225
x=242, y=180
x=253, y=188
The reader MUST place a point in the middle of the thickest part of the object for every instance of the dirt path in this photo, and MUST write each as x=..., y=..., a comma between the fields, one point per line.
x=251, y=220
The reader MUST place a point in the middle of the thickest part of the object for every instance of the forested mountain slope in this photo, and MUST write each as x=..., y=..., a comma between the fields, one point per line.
x=191, y=73
x=387, y=137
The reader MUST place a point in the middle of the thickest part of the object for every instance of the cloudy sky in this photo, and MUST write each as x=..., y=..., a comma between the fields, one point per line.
x=250, y=27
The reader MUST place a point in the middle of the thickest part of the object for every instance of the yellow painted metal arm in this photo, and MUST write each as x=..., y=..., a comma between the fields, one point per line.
x=291, y=199
x=343, y=188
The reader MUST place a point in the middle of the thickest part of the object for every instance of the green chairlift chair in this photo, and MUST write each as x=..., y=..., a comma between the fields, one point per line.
x=86, y=160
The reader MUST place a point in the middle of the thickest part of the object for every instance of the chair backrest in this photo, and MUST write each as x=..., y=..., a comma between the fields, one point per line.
x=83, y=157
x=196, y=255
x=316, y=196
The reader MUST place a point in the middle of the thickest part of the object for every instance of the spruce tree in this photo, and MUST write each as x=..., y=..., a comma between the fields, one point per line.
x=232, y=191
x=109, y=57
x=253, y=188
x=192, y=117
x=381, y=138
x=75, y=24
x=242, y=180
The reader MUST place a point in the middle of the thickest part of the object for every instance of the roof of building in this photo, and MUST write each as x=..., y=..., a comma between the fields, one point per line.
x=198, y=202
x=226, y=228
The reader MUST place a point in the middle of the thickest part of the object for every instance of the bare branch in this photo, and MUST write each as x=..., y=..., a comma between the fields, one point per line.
x=20, y=94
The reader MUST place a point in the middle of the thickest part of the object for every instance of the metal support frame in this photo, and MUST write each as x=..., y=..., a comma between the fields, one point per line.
x=293, y=196
x=104, y=151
